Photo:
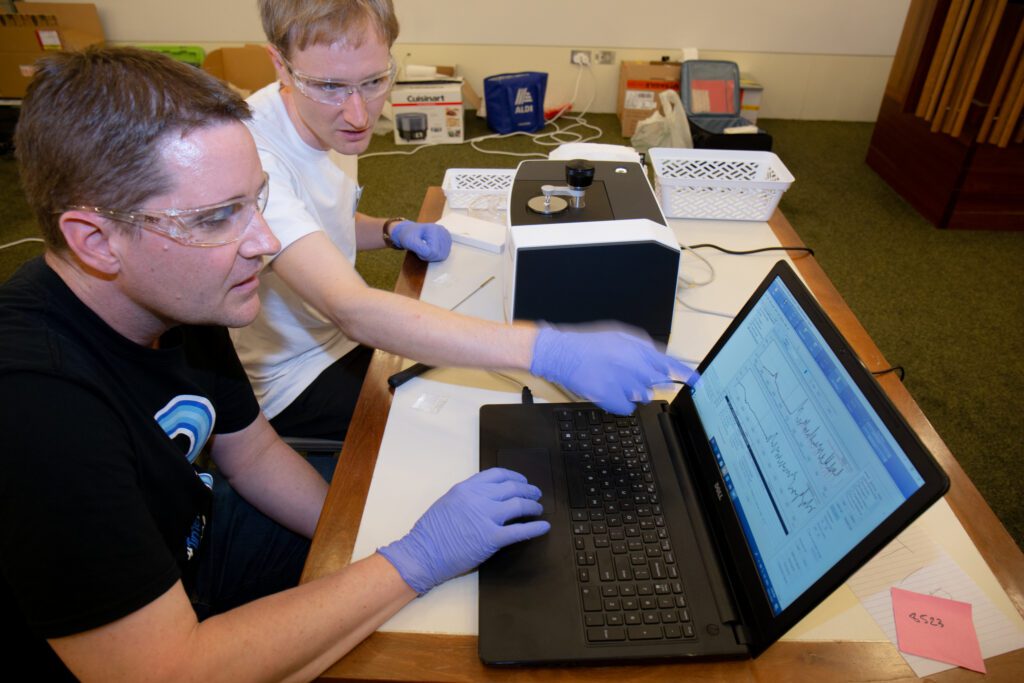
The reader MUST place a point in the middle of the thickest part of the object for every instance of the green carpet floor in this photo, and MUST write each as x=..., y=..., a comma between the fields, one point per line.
x=946, y=305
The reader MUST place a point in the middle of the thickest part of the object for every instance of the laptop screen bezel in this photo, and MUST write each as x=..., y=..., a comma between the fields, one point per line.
x=763, y=625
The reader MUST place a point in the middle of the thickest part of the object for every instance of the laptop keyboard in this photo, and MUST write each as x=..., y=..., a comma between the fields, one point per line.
x=626, y=569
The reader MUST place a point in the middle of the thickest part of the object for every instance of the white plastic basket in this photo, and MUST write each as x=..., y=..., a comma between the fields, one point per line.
x=718, y=184
x=468, y=188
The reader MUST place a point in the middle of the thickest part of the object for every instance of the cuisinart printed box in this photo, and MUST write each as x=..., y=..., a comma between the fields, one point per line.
x=427, y=111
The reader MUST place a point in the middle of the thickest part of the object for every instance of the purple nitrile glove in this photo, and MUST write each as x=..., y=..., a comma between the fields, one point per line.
x=611, y=366
x=429, y=241
x=465, y=527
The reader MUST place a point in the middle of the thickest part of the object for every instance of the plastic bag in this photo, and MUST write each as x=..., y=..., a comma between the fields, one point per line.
x=651, y=132
x=675, y=116
x=664, y=130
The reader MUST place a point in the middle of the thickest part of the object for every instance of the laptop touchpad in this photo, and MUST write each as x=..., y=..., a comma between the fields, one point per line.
x=535, y=465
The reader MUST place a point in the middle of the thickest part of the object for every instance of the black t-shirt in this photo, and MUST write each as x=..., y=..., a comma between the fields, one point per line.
x=101, y=506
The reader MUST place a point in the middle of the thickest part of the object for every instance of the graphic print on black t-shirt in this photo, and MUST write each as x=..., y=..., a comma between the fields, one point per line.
x=188, y=421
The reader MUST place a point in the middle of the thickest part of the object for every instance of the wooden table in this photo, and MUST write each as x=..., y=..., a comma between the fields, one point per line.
x=406, y=657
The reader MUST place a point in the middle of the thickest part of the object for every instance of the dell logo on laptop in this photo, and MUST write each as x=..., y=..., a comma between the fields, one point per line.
x=718, y=490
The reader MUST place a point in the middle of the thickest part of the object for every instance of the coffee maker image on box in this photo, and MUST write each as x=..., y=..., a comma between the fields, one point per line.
x=411, y=125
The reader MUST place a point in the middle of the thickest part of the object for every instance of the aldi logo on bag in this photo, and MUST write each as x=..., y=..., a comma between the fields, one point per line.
x=524, y=101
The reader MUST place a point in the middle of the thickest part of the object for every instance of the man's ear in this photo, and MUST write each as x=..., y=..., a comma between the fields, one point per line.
x=279, y=67
x=89, y=238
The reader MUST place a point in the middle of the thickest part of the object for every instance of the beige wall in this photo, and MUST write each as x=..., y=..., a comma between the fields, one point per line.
x=817, y=59
x=796, y=86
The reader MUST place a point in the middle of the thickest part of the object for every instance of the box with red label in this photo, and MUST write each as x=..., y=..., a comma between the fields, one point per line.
x=428, y=111
x=639, y=85
x=39, y=28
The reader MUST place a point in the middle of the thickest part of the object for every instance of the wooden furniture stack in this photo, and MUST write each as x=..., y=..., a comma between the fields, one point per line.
x=950, y=132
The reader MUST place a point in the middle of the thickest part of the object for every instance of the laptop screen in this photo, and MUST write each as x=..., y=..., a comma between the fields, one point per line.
x=809, y=466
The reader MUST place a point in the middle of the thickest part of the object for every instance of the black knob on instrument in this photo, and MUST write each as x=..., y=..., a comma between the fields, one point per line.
x=579, y=173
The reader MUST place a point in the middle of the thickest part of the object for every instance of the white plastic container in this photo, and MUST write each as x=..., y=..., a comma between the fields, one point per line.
x=477, y=188
x=717, y=183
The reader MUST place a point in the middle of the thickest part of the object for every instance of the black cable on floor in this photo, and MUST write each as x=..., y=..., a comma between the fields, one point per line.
x=898, y=369
x=807, y=250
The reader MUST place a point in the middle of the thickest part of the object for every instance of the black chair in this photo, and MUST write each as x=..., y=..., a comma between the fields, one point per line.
x=307, y=445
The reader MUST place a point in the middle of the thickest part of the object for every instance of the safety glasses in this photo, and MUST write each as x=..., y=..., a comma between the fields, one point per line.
x=204, y=226
x=336, y=93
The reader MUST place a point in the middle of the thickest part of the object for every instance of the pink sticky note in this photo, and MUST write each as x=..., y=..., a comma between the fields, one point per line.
x=937, y=628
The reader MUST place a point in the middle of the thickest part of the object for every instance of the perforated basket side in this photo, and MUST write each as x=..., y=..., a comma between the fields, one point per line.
x=698, y=200
x=719, y=184
x=464, y=186
x=725, y=167
x=711, y=169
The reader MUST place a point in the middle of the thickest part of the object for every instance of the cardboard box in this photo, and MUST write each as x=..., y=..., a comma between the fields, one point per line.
x=27, y=32
x=38, y=28
x=639, y=85
x=16, y=71
x=248, y=68
x=750, y=98
x=428, y=111
x=78, y=22
x=470, y=100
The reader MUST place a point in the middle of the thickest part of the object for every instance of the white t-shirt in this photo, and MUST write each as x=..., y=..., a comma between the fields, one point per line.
x=289, y=344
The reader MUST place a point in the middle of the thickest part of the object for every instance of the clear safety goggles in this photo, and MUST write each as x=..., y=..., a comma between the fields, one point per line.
x=336, y=93
x=204, y=226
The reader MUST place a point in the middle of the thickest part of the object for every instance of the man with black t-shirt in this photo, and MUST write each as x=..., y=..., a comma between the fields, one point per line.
x=123, y=559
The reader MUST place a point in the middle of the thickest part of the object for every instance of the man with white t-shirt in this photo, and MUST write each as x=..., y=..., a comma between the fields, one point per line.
x=307, y=352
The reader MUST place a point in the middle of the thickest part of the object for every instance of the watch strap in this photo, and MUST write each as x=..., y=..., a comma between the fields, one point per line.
x=386, y=231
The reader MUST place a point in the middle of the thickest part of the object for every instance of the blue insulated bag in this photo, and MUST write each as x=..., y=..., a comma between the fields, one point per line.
x=515, y=102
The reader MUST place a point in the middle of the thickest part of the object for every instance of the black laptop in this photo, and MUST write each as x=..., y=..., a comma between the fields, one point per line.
x=708, y=527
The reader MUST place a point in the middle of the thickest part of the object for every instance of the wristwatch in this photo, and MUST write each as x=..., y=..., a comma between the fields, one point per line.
x=386, y=231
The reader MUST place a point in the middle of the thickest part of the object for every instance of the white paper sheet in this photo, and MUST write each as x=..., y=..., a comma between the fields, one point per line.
x=944, y=578
x=915, y=562
x=474, y=232
x=424, y=452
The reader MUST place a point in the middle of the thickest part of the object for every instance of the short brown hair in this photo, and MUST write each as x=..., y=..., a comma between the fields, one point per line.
x=92, y=121
x=297, y=24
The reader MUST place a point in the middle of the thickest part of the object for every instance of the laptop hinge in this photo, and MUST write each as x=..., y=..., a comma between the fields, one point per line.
x=740, y=633
x=716, y=577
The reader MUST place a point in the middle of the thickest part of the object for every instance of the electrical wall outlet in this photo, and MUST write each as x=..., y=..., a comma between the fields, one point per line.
x=604, y=57
x=581, y=57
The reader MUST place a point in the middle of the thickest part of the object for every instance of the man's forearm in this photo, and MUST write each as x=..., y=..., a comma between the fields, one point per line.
x=318, y=273
x=316, y=623
x=289, y=636
x=271, y=476
x=435, y=336
x=369, y=232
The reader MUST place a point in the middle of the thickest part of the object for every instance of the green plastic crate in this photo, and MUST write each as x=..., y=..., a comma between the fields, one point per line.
x=190, y=54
